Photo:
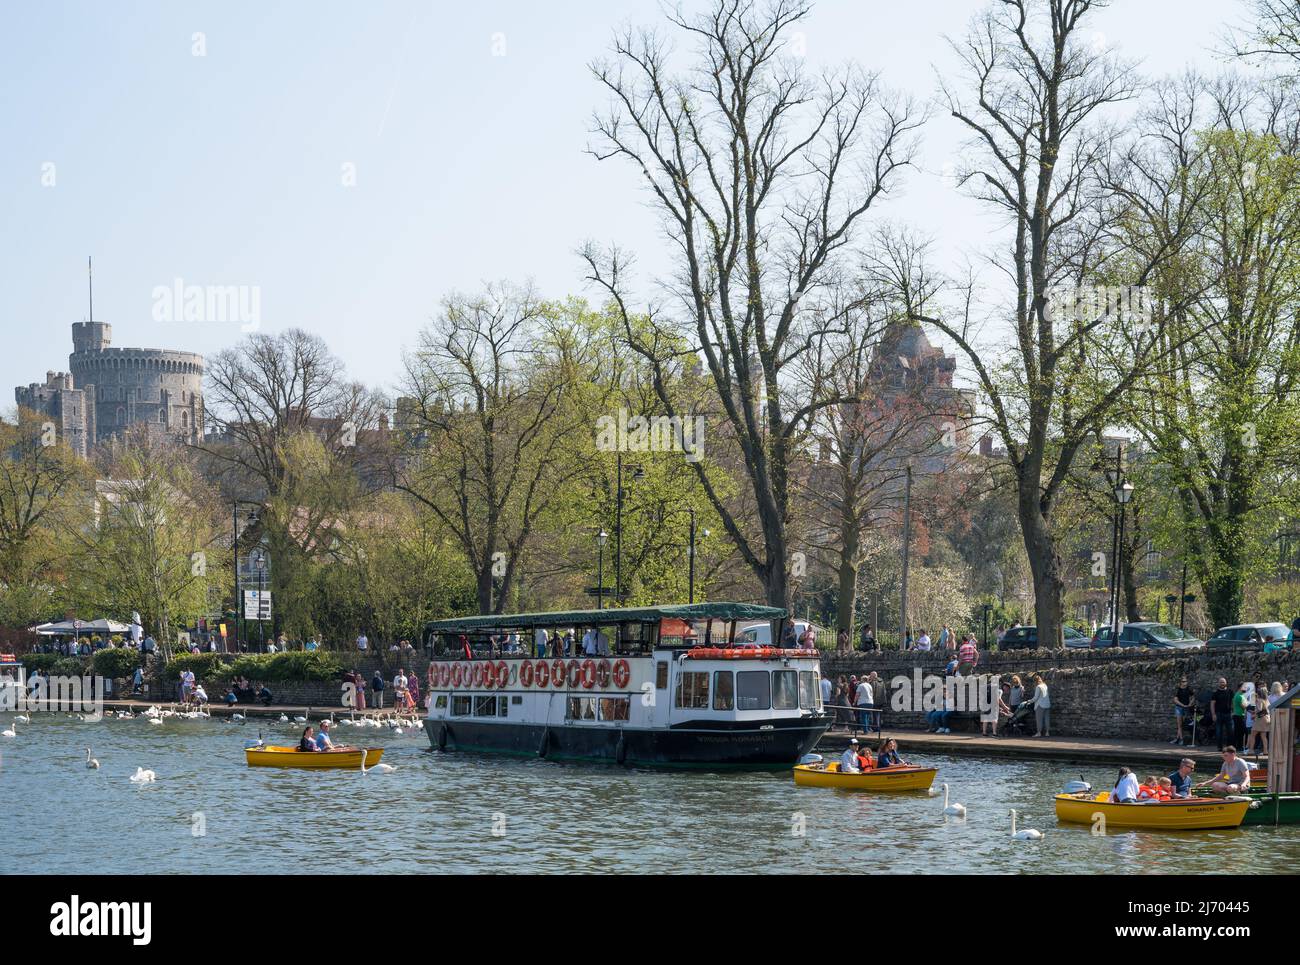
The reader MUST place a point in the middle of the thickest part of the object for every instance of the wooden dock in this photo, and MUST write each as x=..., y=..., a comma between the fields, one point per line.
x=1090, y=750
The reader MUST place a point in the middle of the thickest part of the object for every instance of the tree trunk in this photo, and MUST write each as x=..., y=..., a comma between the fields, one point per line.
x=1045, y=565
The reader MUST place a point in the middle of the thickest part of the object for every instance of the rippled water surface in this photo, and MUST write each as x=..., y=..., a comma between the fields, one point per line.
x=445, y=813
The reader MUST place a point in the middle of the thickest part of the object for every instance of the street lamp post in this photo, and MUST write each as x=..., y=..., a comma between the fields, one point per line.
x=260, y=562
x=252, y=518
x=1123, y=493
x=601, y=539
x=637, y=474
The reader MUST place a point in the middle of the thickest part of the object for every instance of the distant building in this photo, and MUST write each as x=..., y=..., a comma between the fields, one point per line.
x=107, y=390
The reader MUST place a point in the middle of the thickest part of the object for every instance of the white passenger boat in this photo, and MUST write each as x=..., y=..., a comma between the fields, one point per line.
x=666, y=686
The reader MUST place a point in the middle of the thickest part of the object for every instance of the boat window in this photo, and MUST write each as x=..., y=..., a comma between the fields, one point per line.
x=581, y=708
x=460, y=706
x=615, y=708
x=810, y=691
x=693, y=690
x=661, y=675
x=503, y=707
x=785, y=690
x=485, y=706
x=724, y=690
x=753, y=690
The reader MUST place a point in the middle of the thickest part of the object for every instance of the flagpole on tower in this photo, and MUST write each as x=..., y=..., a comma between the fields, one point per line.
x=90, y=285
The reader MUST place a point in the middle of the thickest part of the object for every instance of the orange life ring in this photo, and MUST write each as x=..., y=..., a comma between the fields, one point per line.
x=443, y=673
x=588, y=674
x=558, y=671
x=602, y=674
x=457, y=675
x=575, y=673
x=622, y=674
x=476, y=677
x=542, y=673
x=503, y=674
x=526, y=674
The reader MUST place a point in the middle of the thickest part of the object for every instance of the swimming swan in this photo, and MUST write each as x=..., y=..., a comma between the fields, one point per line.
x=957, y=810
x=1028, y=834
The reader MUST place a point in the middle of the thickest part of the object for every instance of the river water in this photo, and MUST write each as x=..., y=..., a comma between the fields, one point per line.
x=209, y=812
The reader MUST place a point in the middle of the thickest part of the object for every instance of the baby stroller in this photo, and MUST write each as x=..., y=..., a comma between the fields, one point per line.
x=1021, y=720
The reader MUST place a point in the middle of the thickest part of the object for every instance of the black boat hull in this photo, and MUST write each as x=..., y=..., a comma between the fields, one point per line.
x=702, y=744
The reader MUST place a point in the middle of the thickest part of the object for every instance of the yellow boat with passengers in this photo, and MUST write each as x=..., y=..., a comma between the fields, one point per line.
x=1180, y=814
x=341, y=758
x=900, y=777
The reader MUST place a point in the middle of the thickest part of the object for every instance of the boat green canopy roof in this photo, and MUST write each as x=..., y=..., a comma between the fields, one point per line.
x=649, y=614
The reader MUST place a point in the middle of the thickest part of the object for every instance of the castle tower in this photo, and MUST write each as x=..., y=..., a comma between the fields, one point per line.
x=91, y=336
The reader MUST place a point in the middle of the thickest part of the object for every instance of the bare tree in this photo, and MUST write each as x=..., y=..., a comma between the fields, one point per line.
x=761, y=174
x=1033, y=104
x=264, y=397
x=484, y=421
x=1275, y=33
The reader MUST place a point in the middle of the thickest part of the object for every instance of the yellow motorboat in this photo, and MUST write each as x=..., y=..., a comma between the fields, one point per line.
x=339, y=758
x=1186, y=814
x=901, y=777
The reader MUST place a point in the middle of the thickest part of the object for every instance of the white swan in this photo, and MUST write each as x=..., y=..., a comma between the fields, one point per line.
x=1028, y=834
x=91, y=763
x=22, y=719
x=11, y=732
x=141, y=776
x=156, y=720
x=957, y=810
x=300, y=720
x=284, y=719
x=381, y=767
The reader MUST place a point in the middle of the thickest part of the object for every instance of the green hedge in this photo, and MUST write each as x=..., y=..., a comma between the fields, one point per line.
x=115, y=664
x=44, y=662
x=295, y=665
x=203, y=666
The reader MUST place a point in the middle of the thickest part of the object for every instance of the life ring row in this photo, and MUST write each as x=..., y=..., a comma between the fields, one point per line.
x=747, y=653
x=555, y=674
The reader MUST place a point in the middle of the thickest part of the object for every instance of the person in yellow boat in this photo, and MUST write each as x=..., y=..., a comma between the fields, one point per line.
x=1126, y=788
x=888, y=756
x=849, y=759
x=307, y=743
x=323, y=742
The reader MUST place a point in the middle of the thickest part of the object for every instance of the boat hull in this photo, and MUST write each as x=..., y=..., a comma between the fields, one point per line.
x=1271, y=809
x=291, y=757
x=704, y=745
x=1193, y=814
x=882, y=779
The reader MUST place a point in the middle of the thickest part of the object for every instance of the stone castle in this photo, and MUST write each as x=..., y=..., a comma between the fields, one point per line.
x=107, y=390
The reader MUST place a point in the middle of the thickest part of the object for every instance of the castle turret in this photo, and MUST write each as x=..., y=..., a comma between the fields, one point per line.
x=91, y=336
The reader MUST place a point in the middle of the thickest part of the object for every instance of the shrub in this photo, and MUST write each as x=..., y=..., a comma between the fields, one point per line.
x=44, y=662
x=115, y=663
x=203, y=665
x=293, y=665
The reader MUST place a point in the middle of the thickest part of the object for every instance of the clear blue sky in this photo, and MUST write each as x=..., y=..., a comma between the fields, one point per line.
x=226, y=169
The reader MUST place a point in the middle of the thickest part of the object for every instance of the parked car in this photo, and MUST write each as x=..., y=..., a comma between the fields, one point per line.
x=1157, y=636
x=1026, y=638
x=760, y=634
x=1102, y=638
x=1252, y=636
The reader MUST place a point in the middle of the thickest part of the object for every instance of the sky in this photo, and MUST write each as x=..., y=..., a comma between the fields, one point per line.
x=351, y=164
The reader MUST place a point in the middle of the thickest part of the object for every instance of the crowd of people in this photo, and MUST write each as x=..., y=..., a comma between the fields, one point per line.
x=1241, y=717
